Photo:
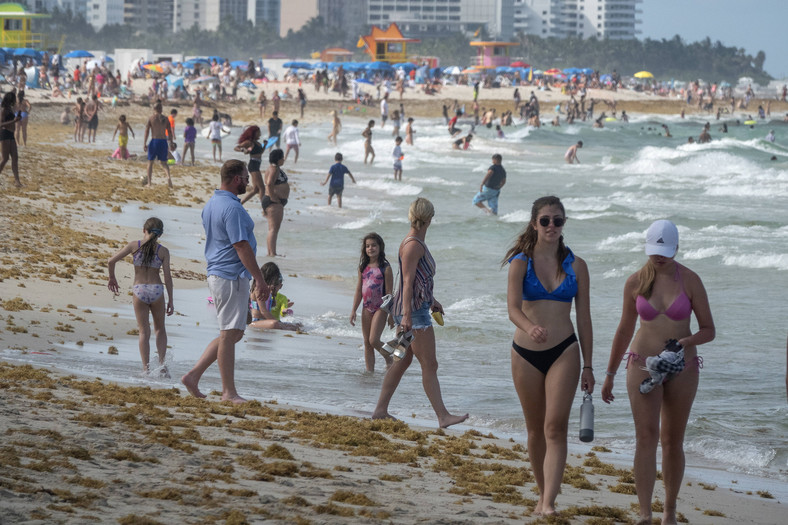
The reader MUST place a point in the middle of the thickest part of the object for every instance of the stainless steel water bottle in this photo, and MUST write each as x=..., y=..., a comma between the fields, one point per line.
x=586, y=419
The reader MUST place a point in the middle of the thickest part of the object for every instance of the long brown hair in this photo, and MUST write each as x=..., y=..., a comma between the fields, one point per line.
x=155, y=228
x=364, y=261
x=527, y=240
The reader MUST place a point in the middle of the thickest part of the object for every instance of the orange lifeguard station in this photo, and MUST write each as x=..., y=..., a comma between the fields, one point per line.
x=16, y=30
x=336, y=54
x=490, y=55
x=386, y=46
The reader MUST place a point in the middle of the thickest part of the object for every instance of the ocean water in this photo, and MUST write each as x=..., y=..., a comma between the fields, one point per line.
x=729, y=200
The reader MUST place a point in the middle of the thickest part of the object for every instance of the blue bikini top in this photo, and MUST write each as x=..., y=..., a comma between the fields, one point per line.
x=533, y=290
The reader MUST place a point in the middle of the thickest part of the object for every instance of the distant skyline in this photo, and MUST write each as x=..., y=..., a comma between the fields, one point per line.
x=755, y=25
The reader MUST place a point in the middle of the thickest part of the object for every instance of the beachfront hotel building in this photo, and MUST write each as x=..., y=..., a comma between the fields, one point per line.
x=78, y=7
x=177, y=15
x=613, y=19
x=501, y=19
x=436, y=17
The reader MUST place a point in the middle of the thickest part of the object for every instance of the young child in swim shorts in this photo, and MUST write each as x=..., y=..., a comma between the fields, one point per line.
x=122, y=130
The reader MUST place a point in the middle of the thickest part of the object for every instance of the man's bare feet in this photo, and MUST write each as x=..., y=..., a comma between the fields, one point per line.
x=236, y=399
x=383, y=415
x=451, y=420
x=644, y=520
x=191, y=386
x=669, y=517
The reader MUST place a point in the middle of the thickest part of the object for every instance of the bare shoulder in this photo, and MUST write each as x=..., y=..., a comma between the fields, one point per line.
x=632, y=284
x=411, y=247
x=692, y=280
x=580, y=264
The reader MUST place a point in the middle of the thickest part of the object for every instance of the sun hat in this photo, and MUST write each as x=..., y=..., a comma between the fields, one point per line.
x=662, y=238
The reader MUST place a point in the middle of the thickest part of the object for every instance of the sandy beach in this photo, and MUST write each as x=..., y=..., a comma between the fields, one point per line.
x=79, y=450
x=82, y=449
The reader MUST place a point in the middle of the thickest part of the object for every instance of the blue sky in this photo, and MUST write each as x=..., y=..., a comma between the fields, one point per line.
x=752, y=24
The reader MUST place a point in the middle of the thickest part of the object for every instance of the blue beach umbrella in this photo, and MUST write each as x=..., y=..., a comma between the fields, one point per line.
x=405, y=66
x=363, y=81
x=378, y=66
x=78, y=53
x=26, y=52
x=174, y=81
x=243, y=64
x=297, y=65
x=320, y=65
x=587, y=71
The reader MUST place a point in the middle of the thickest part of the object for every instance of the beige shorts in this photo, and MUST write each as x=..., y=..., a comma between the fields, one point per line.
x=232, y=301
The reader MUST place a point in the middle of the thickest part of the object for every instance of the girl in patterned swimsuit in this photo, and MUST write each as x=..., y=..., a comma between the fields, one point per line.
x=375, y=279
x=148, y=257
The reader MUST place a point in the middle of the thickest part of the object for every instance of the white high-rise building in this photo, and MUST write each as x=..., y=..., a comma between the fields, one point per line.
x=435, y=17
x=613, y=19
x=99, y=14
x=78, y=7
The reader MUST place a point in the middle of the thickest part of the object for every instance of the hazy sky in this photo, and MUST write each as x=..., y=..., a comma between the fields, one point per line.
x=754, y=25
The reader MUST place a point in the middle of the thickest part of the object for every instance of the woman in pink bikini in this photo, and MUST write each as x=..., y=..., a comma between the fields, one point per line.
x=148, y=257
x=664, y=294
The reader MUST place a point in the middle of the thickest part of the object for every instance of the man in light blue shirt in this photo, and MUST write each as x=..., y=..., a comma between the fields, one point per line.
x=230, y=249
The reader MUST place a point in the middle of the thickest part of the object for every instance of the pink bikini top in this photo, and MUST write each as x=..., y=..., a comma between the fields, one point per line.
x=679, y=310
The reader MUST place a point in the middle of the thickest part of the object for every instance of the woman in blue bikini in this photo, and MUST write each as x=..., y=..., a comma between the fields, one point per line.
x=544, y=278
x=148, y=257
x=664, y=294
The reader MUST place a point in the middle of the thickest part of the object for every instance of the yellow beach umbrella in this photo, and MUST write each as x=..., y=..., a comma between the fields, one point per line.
x=643, y=74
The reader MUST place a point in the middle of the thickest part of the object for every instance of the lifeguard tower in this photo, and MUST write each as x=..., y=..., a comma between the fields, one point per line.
x=386, y=46
x=490, y=55
x=16, y=27
x=336, y=54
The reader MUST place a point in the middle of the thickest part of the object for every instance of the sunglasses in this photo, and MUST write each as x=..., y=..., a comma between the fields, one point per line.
x=558, y=222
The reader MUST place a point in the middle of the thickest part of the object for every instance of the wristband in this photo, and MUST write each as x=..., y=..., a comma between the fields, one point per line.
x=592, y=368
x=610, y=374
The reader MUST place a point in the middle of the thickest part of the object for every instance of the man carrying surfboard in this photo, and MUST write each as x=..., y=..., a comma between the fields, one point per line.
x=161, y=137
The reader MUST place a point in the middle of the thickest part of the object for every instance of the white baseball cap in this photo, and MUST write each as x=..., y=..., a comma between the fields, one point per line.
x=662, y=238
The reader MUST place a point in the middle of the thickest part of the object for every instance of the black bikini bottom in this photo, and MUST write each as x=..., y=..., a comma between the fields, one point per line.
x=542, y=360
x=268, y=202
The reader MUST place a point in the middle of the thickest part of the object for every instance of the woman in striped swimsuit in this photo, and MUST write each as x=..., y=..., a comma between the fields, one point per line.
x=411, y=310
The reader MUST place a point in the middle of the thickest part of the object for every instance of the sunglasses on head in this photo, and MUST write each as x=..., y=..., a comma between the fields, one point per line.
x=557, y=221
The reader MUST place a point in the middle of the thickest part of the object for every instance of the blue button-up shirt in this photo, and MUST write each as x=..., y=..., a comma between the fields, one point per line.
x=226, y=222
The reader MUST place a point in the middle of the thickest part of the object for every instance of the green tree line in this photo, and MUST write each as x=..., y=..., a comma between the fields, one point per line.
x=665, y=58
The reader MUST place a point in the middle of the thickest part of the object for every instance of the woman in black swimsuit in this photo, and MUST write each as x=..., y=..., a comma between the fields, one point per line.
x=8, y=120
x=277, y=190
x=249, y=142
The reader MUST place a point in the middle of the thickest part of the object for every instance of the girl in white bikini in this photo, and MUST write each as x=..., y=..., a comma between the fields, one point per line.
x=148, y=257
